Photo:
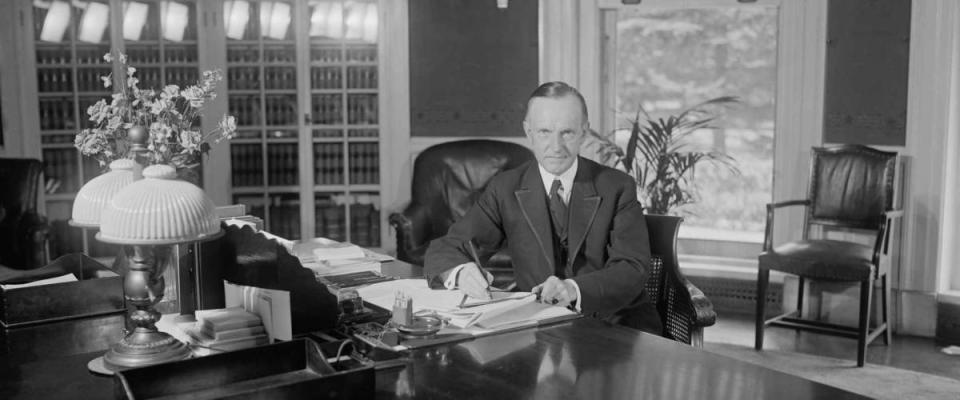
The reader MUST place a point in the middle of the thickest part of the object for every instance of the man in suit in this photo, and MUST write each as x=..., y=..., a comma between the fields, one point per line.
x=573, y=228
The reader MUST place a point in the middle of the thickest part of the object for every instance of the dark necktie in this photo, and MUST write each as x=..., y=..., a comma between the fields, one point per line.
x=558, y=214
x=558, y=210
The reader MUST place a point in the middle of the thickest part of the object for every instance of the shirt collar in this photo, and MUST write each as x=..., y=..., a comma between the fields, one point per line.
x=566, y=178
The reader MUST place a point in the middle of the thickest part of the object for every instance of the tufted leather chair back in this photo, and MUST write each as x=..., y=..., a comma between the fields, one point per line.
x=22, y=229
x=447, y=179
x=851, y=185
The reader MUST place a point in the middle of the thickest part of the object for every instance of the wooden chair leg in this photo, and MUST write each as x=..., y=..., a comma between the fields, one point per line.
x=800, y=298
x=866, y=289
x=763, y=279
x=888, y=335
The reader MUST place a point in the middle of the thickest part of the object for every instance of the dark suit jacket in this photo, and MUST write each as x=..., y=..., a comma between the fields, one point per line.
x=609, y=247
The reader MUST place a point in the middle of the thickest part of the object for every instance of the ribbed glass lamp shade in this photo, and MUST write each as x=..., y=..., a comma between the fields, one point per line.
x=158, y=210
x=94, y=196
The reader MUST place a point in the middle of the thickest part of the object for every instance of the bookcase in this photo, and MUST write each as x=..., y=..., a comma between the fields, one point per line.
x=324, y=65
x=301, y=77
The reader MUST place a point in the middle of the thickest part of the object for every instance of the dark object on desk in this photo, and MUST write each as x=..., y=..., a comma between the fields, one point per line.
x=60, y=338
x=354, y=279
x=23, y=231
x=447, y=179
x=852, y=188
x=98, y=291
x=684, y=310
x=249, y=258
x=288, y=370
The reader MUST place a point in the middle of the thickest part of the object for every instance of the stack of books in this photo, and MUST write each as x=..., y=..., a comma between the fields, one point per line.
x=227, y=329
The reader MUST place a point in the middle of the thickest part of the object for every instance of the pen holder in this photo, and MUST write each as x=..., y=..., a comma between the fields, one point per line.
x=403, y=311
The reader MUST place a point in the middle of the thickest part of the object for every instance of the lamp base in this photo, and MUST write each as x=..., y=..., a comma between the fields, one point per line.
x=142, y=348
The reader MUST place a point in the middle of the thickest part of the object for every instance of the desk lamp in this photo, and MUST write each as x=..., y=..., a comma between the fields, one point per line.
x=94, y=196
x=156, y=211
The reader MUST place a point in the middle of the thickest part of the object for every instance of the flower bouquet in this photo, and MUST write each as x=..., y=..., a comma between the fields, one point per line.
x=168, y=118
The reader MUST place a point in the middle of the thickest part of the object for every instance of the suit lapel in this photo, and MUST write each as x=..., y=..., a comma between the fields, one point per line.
x=533, y=204
x=584, y=203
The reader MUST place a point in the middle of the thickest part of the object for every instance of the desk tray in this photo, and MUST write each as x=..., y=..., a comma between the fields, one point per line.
x=98, y=291
x=288, y=370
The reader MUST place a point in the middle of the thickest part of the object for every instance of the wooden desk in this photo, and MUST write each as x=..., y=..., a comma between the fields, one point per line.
x=584, y=359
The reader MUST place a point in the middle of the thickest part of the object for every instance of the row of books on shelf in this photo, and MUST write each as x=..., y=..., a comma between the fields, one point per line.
x=362, y=109
x=284, y=220
x=278, y=109
x=364, y=163
x=57, y=113
x=249, y=78
x=364, y=223
x=61, y=79
x=328, y=163
x=85, y=55
x=137, y=55
x=60, y=167
x=364, y=77
x=243, y=53
x=326, y=109
x=352, y=54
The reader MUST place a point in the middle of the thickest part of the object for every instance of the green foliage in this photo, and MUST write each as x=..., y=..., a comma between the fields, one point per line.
x=658, y=157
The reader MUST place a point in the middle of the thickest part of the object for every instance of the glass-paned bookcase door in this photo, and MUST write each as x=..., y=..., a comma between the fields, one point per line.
x=262, y=89
x=69, y=45
x=160, y=39
x=342, y=122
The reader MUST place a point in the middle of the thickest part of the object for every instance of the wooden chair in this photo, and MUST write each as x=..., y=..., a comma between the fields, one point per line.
x=851, y=188
x=684, y=310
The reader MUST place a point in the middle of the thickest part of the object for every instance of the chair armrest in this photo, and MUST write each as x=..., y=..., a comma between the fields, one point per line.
x=881, y=246
x=893, y=214
x=771, y=207
x=30, y=236
x=409, y=225
x=702, y=306
x=688, y=310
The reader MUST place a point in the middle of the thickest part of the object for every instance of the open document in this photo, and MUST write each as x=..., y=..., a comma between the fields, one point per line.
x=506, y=310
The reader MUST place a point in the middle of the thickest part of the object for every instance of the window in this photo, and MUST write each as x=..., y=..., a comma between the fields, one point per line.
x=666, y=59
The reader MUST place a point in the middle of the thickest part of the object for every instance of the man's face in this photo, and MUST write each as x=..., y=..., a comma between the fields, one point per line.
x=556, y=128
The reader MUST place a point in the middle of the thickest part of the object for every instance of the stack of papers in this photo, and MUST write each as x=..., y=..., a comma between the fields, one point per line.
x=329, y=257
x=505, y=310
x=227, y=329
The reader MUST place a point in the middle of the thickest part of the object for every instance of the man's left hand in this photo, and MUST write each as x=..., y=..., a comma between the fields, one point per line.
x=554, y=291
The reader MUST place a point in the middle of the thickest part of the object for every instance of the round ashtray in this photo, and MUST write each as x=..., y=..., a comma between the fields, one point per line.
x=422, y=326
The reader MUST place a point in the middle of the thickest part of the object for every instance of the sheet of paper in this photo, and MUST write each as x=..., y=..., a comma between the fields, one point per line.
x=521, y=309
x=49, y=281
x=273, y=307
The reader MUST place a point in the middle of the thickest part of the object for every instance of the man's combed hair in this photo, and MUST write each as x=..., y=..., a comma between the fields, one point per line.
x=555, y=90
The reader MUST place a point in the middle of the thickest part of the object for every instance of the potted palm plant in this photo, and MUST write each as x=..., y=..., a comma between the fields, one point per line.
x=659, y=156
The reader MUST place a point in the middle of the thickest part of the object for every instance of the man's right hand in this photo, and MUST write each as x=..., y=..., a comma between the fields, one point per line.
x=472, y=281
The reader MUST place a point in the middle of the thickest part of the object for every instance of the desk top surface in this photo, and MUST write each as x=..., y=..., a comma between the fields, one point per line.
x=584, y=358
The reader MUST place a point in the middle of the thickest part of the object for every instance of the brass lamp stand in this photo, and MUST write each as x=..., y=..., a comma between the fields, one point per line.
x=143, y=287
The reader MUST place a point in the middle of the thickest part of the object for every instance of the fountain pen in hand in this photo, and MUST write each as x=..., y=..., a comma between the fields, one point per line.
x=472, y=279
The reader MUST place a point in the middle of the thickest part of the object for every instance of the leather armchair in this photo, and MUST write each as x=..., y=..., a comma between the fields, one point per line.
x=851, y=189
x=447, y=179
x=23, y=231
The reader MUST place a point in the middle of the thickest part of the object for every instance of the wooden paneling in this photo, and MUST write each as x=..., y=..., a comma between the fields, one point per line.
x=868, y=46
x=472, y=66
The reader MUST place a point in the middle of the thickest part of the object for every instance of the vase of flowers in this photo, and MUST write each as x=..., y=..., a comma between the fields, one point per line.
x=152, y=126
